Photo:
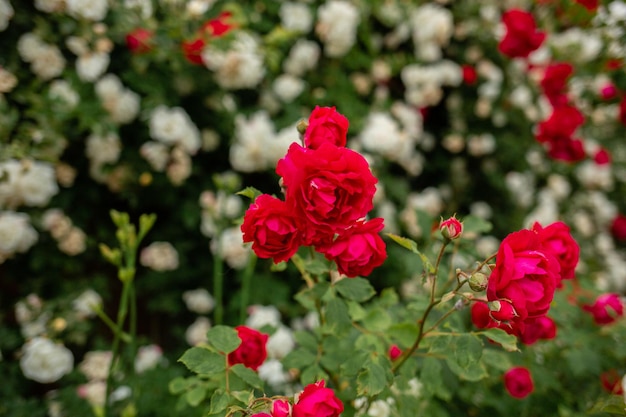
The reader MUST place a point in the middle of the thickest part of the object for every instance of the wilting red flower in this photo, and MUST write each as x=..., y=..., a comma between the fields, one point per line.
x=590, y=5
x=525, y=275
x=606, y=309
x=618, y=227
x=518, y=382
x=358, y=249
x=272, y=228
x=557, y=240
x=611, y=381
x=326, y=124
x=522, y=36
x=139, y=40
x=252, y=351
x=317, y=401
x=329, y=188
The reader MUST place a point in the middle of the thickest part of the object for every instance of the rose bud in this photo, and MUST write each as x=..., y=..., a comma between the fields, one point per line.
x=451, y=228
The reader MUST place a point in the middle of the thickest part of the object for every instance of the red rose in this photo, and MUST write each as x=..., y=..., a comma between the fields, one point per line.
x=606, y=309
x=618, y=227
x=328, y=188
x=566, y=149
x=138, y=41
x=326, y=125
x=563, y=122
x=518, y=382
x=272, y=228
x=554, y=82
x=192, y=50
x=451, y=228
x=317, y=401
x=540, y=328
x=214, y=28
x=358, y=249
x=590, y=5
x=602, y=157
x=556, y=239
x=281, y=408
x=469, y=74
x=525, y=276
x=218, y=26
x=521, y=36
x=251, y=352
x=622, y=111
x=612, y=382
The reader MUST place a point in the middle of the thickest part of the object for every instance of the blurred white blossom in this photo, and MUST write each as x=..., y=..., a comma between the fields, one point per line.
x=45, y=361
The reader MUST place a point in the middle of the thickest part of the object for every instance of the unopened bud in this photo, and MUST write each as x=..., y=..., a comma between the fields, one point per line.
x=451, y=228
x=301, y=126
x=478, y=281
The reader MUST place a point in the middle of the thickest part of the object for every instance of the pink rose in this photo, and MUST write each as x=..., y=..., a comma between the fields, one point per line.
x=521, y=36
x=326, y=125
x=518, y=382
x=272, y=228
x=358, y=249
x=451, y=228
x=525, y=275
x=556, y=239
x=281, y=408
x=139, y=41
x=251, y=352
x=317, y=401
x=606, y=309
x=328, y=188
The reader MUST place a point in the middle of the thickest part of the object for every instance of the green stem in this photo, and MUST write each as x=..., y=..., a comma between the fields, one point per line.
x=299, y=263
x=133, y=321
x=125, y=337
x=246, y=281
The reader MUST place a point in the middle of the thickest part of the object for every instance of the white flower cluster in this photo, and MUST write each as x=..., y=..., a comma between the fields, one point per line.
x=337, y=22
x=45, y=361
x=16, y=234
x=176, y=138
x=26, y=182
x=303, y=56
x=62, y=91
x=148, y=357
x=159, y=256
x=8, y=81
x=120, y=102
x=432, y=28
x=257, y=146
x=31, y=317
x=85, y=304
x=6, y=13
x=70, y=239
x=199, y=301
x=46, y=60
x=217, y=208
x=241, y=66
x=296, y=17
x=50, y=6
x=91, y=64
x=95, y=366
x=94, y=10
x=102, y=150
x=196, y=333
x=384, y=135
x=424, y=82
x=230, y=247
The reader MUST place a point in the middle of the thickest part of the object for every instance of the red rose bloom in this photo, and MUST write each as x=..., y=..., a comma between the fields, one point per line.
x=525, y=276
x=329, y=188
x=251, y=352
x=602, y=157
x=219, y=26
x=138, y=41
x=326, y=125
x=521, y=36
x=622, y=111
x=557, y=240
x=192, y=50
x=518, y=382
x=554, y=82
x=272, y=228
x=541, y=328
x=469, y=74
x=358, y=249
x=563, y=122
x=606, y=309
x=566, y=149
x=317, y=401
x=590, y=5
x=612, y=382
x=281, y=408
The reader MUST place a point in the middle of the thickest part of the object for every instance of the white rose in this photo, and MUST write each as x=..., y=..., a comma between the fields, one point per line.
x=280, y=343
x=48, y=63
x=6, y=13
x=61, y=90
x=95, y=10
x=45, y=361
x=95, y=364
x=85, y=303
x=29, y=46
x=50, y=6
x=272, y=372
x=16, y=233
x=336, y=27
x=296, y=17
x=259, y=316
x=91, y=66
x=199, y=301
x=159, y=256
x=37, y=184
x=156, y=154
x=288, y=87
x=147, y=358
x=303, y=56
x=196, y=333
x=103, y=149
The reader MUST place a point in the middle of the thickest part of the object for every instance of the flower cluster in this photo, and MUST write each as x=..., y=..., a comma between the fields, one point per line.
x=328, y=193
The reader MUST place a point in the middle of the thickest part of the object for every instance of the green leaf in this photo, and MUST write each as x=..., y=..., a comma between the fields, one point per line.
x=404, y=242
x=309, y=296
x=353, y=365
x=473, y=225
x=306, y=339
x=404, y=334
x=219, y=401
x=313, y=374
x=244, y=397
x=180, y=384
x=337, y=317
x=195, y=396
x=357, y=289
x=507, y=341
x=223, y=338
x=377, y=320
x=202, y=361
x=467, y=350
x=372, y=379
x=248, y=376
x=613, y=404
x=431, y=371
x=299, y=358
x=473, y=371
x=355, y=311
x=250, y=192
